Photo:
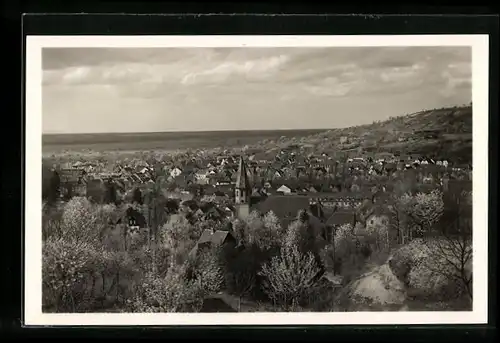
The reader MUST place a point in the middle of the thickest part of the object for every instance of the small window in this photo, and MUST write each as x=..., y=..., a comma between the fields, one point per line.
x=371, y=222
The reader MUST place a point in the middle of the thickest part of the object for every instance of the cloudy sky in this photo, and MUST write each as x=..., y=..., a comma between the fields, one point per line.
x=191, y=89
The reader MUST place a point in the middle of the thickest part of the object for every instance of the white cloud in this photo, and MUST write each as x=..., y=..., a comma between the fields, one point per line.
x=252, y=70
x=77, y=74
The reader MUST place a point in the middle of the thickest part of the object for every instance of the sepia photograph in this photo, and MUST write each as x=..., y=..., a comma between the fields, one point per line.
x=275, y=176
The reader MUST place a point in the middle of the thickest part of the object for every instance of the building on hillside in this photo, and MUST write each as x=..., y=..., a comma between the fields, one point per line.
x=284, y=189
x=175, y=172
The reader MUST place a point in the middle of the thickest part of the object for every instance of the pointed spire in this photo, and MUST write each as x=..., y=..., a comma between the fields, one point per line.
x=242, y=176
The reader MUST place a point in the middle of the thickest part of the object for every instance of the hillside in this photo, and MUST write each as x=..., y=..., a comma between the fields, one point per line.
x=439, y=133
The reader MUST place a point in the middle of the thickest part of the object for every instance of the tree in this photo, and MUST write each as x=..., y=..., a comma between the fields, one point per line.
x=137, y=196
x=294, y=234
x=271, y=232
x=288, y=277
x=205, y=276
x=397, y=221
x=65, y=266
x=80, y=221
x=262, y=232
x=179, y=237
x=156, y=217
x=72, y=254
x=168, y=294
x=239, y=272
x=54, y=187
x=424, y=210
x=111, y=196
x=453, y=249
x=171, y=206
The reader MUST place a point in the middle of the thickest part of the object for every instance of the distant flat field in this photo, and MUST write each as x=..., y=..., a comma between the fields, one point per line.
x=100, y=142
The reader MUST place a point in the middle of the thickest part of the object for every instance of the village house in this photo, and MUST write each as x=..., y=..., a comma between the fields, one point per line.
x=213, y=239
x=201, y=177
x=284, y=189
x=176, y=171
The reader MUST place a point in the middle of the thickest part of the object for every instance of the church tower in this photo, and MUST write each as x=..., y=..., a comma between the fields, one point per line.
x=242, y=191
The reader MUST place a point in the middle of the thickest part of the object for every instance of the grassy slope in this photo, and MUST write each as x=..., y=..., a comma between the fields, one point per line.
x=453, y=141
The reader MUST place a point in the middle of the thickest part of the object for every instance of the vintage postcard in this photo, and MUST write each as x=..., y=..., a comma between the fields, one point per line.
x=233, y=180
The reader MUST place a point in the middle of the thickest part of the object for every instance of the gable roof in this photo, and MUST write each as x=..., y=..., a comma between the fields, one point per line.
x=285, y=207
x=205, y=237
x=341, y=218
x=284, y=188
x=214, y=238
x=219, y=237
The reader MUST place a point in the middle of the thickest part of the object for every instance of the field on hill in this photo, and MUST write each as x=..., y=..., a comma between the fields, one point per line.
x=55, y=143
x=444, y=133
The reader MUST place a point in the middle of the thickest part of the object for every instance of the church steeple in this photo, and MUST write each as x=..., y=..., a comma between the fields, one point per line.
x=242, y=188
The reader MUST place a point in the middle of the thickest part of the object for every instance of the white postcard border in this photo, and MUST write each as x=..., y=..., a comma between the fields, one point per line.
x=33, y=235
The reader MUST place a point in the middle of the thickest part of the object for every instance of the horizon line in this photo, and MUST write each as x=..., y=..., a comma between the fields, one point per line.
x=180, y=131
x=254, y=130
